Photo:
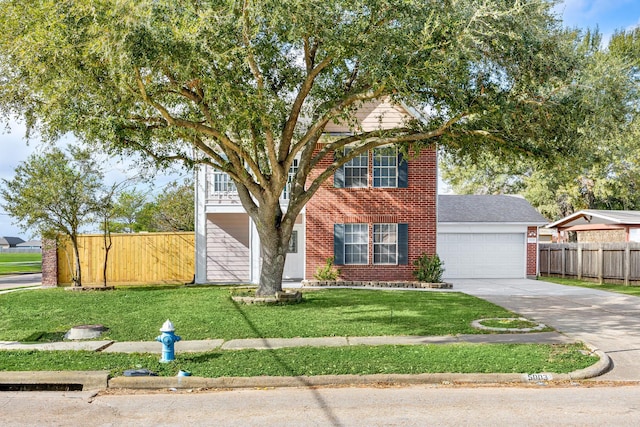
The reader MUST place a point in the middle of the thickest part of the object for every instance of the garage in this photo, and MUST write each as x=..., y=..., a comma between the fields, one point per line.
x=482, y=236
x=482, y=255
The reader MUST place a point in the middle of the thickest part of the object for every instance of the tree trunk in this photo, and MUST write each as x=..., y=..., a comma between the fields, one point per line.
x=274, y=254
x=274, y=244
x=77, y=279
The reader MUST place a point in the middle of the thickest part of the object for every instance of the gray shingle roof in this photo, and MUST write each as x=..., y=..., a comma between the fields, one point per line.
x=485, y=208
x=11, y=241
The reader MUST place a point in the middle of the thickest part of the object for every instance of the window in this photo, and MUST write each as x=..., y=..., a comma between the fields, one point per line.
x=356, y=244
x=385, y=167
x=385, y=243
x=290, y=176
x=293, y=243
x=356, y=170
x=390, y=244
x=222, y=183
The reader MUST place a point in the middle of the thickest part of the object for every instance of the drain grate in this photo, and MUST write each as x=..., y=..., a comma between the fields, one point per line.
x=40, y=387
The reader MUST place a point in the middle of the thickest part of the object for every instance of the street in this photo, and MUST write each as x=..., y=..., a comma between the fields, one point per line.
x=584, y=404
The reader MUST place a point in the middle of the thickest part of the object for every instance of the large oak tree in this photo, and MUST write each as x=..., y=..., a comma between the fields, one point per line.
x=246, y=86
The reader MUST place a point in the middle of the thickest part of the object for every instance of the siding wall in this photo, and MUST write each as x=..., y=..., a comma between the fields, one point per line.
x=228, y=248
x=373, y=115
x=415, y=205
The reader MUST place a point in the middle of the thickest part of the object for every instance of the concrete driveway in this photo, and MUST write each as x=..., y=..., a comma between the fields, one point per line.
x=606, y=320
x=16, y=281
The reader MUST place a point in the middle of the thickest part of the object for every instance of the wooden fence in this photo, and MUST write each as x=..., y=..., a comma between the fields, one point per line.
x=142, y=258
x=602, y=262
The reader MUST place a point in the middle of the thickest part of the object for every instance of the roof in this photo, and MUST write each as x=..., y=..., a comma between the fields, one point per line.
x=30, y=244
x=595, y=216
x=487, y=209
x=11, y=241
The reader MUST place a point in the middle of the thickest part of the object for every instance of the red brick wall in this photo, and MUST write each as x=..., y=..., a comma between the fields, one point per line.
x=532, y=252
x=415, y=205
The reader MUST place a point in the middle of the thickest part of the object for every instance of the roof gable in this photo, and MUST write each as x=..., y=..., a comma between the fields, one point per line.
x=487, y=209
x=377, y=114
x=595, y=216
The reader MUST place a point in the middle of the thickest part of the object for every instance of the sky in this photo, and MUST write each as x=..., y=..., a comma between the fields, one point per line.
x=607, y=15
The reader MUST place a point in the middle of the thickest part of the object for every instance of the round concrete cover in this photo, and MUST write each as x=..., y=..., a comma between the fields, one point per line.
x=85, y=332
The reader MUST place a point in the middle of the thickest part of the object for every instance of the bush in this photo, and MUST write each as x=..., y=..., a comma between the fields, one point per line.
x=327, y=271
x=428, y=268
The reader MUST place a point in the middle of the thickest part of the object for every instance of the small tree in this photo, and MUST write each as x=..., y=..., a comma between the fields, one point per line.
x=55, y=193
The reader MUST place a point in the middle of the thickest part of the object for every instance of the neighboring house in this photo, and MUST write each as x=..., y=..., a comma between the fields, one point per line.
x=483, y=236
x=375, y=216
x=9, y=242
x=30, y=244
x=599, y=226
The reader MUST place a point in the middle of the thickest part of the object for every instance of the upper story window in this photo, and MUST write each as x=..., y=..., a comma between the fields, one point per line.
x=389, y=170
x=222, y=183
x=356, y=170
x=385, y=167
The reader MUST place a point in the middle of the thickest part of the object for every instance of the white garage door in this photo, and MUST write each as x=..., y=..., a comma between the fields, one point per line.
x=480, y=255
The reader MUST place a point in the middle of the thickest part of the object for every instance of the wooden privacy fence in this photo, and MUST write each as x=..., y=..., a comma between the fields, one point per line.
x=603, y=262
x=142, y=258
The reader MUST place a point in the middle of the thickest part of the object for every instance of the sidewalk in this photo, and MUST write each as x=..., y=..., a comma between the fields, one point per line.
x=100, y=379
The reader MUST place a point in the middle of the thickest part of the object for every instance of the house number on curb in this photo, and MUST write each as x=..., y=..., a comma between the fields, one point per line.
x=539, y=377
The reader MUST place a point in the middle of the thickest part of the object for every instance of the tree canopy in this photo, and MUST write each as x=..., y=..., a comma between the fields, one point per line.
x=247, y=86
x=55, y=193
x=603, y=169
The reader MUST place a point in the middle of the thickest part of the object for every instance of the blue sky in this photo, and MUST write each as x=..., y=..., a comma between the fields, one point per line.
x=607, y=15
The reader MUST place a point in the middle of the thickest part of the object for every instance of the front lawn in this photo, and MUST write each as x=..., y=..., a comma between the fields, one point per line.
x=12, y=263
x=136, y=314
x=357, y=360
x=622, y=289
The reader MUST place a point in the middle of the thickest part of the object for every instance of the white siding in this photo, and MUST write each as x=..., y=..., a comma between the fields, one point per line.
x=374, y=115
x=228, y=248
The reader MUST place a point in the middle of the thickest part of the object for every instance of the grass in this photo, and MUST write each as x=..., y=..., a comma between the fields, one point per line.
x=12, y=263
x=136, y=314
x=629, y=290
x=359, y=360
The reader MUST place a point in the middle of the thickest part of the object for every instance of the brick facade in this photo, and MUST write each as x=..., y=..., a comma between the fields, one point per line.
x=415, y=206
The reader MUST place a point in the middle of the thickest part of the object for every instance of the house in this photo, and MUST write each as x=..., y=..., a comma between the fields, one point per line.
x=30, y=244
x=485, y=236
x=599, y=226
x=375, y=216
x=9, y=242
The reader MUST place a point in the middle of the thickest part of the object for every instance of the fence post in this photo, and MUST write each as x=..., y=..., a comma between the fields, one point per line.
x=579, y=255
x=627, y=264
x=563, y=261
x=600, y=264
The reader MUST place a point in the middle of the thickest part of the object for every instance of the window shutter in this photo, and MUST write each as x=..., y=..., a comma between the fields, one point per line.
x=403, y=172
x=338, y=244
x=338, y=175
x=403, y=244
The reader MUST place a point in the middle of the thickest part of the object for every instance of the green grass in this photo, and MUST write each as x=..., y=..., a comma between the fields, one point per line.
x=629, y=290
x=136, y=314
x=11, y=263
x=360, y=360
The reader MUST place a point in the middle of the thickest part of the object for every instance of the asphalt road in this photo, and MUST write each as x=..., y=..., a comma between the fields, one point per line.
x=407, y=406
x=20, y=280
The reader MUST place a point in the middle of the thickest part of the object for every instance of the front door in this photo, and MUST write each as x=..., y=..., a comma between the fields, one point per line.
x=294, y=265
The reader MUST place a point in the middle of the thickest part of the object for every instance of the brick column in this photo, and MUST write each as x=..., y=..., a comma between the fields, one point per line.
x=49, y=263
x=532, y=252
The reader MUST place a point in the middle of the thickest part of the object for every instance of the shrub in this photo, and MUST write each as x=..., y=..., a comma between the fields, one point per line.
x=327, y=271
x=428, y=268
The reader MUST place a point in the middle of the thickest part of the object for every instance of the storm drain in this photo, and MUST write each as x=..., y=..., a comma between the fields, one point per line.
x=41, y=387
